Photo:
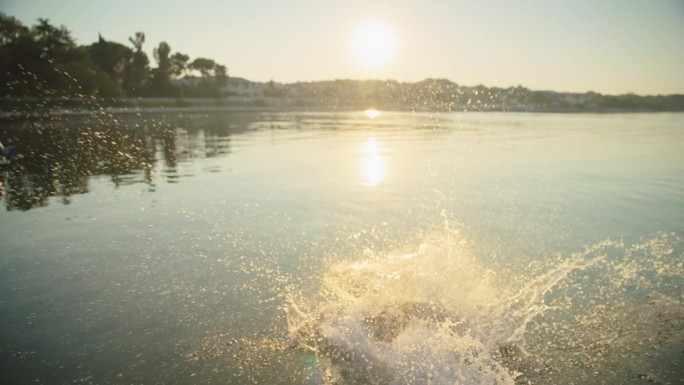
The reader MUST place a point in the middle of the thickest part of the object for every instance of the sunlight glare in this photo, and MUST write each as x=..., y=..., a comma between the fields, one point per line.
x=372, y=114
x=374, y=164
x=373, y=45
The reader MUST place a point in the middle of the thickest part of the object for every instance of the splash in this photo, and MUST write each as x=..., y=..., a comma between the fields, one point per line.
x=438, y=315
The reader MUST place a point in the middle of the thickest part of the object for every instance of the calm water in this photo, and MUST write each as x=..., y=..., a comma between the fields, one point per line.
x=338, y=248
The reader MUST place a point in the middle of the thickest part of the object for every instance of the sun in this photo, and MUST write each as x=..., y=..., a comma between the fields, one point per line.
x=373, y=45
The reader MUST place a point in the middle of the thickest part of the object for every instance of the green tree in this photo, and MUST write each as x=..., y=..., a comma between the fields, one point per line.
x=220, y=79
x=179, y=64
x=52, y=40
x=111, y=57
x=203, y=65
x=56, y=50
x=161, y=76
x=221, y=75
x=18, y=51
x=137, y=70
x=11, y=30
x=45, y=61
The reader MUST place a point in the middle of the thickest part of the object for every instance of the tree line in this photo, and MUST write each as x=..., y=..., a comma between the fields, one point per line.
x=446, y=96
x=45, y=61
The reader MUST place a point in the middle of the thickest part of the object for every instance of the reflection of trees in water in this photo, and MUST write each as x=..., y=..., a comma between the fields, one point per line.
x=61, y=155
x=203, y=136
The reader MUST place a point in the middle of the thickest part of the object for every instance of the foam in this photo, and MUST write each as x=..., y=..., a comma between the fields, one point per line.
x=438, y=315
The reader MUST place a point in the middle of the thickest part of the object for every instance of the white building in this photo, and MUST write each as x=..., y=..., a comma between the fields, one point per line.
x=187, y=81
x=243, y=88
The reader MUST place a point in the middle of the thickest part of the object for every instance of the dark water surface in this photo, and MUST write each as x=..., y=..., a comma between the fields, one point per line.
x=331, y=247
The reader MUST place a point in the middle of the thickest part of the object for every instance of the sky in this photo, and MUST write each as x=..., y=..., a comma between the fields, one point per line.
x=606, y=46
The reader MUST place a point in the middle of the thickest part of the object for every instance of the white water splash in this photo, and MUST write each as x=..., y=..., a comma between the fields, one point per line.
x=438, y=316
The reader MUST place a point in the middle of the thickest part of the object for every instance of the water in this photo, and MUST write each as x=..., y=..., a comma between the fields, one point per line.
x=339, y=248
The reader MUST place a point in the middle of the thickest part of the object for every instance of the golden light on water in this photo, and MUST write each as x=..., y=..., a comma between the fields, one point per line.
x=374, y=164
x=372, y=113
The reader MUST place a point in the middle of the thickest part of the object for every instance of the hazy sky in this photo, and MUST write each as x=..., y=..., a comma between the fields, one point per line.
x=608, y=46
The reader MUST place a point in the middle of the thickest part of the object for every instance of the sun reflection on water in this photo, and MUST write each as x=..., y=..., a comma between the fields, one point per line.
x=374, y=164
x=371, y=113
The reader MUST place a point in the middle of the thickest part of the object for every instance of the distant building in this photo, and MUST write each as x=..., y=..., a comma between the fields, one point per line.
x=188, y=81
x=243, y=88
x=239, y=87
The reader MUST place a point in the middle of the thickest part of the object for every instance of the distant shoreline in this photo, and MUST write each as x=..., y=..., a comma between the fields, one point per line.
x=66, y=113
x=33, y=110
x=49, y=115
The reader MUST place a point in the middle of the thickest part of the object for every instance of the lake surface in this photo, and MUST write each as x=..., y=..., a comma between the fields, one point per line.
x=343, y=247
